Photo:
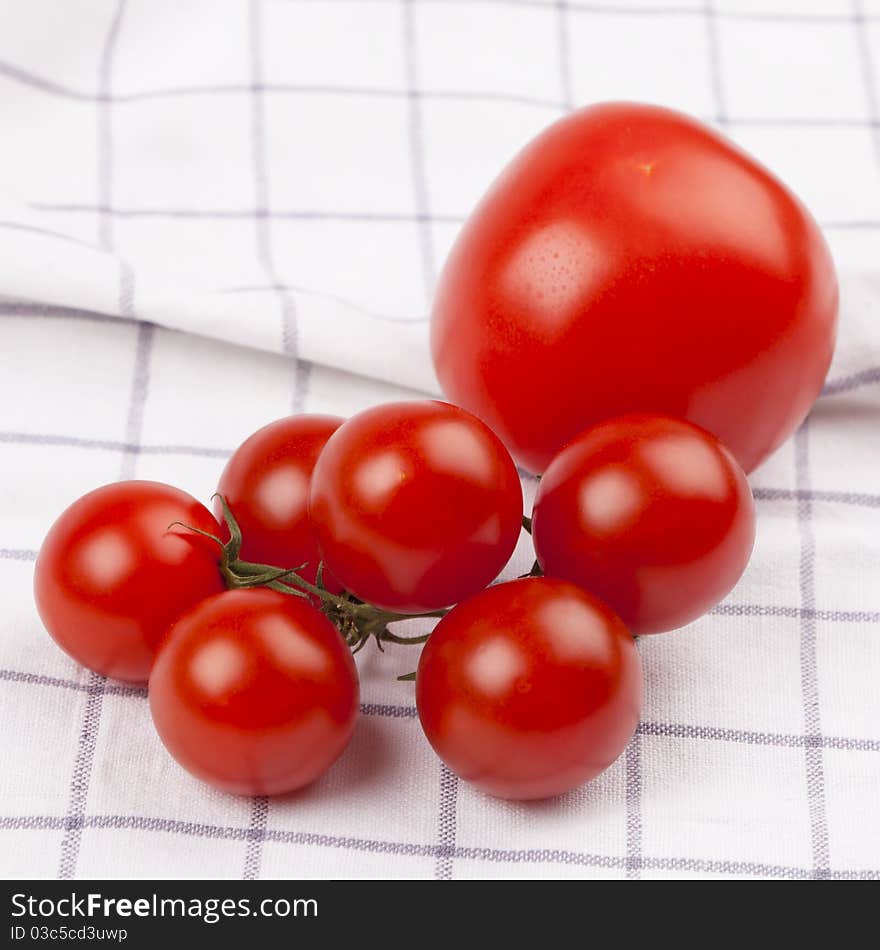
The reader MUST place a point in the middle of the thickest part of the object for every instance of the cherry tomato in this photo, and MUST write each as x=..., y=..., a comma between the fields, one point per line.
x=266, y=485
x=529, y=689
x=650, y=513
x=632, y=259
x=415, y=505
x=255, y=692
x=112, y=575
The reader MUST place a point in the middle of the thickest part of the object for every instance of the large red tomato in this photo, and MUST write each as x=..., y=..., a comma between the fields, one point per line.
x=631, y=259
x=113, y=575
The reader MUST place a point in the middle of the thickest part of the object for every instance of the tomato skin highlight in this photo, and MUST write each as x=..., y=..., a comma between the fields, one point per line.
x=650, y=513
x=254, y=692
x=529, y=688
x=266, y=485
x=632, y=259
x=415, y=505
x=111, y=576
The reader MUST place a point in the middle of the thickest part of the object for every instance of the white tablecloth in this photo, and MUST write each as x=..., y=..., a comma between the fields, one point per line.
x=215, y=212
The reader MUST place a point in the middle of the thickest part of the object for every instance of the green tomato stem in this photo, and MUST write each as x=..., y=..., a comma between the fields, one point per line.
x=356, y=621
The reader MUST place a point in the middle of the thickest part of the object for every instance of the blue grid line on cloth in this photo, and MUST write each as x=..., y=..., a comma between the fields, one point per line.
x=289, y=330
x=113, y=445
x=256, y=837
x=564, y=48
x=663, y=729
x=866, y=377
x=447, y=824
x=809, y=661
x=378, y=845
x=27, y=308
x=17, y=554
x=625, y=9
x=645, y=728
x=325, y=295
x=860, y=21
x=24, y=77
x=311, y=214
x=633, y=793
x=79, y=785
x=417, y=152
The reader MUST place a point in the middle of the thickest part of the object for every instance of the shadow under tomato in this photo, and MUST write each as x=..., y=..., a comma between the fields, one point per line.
x=364, y=762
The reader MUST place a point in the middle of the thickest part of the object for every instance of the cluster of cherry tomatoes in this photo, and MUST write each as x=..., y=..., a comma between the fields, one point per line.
x=329, y=532
x=628, y=259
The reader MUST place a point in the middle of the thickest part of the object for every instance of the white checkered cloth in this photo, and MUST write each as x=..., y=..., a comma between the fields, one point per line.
x=216, y=212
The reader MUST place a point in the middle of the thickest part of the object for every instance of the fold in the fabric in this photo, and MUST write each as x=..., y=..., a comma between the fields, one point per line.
x=49, y=268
